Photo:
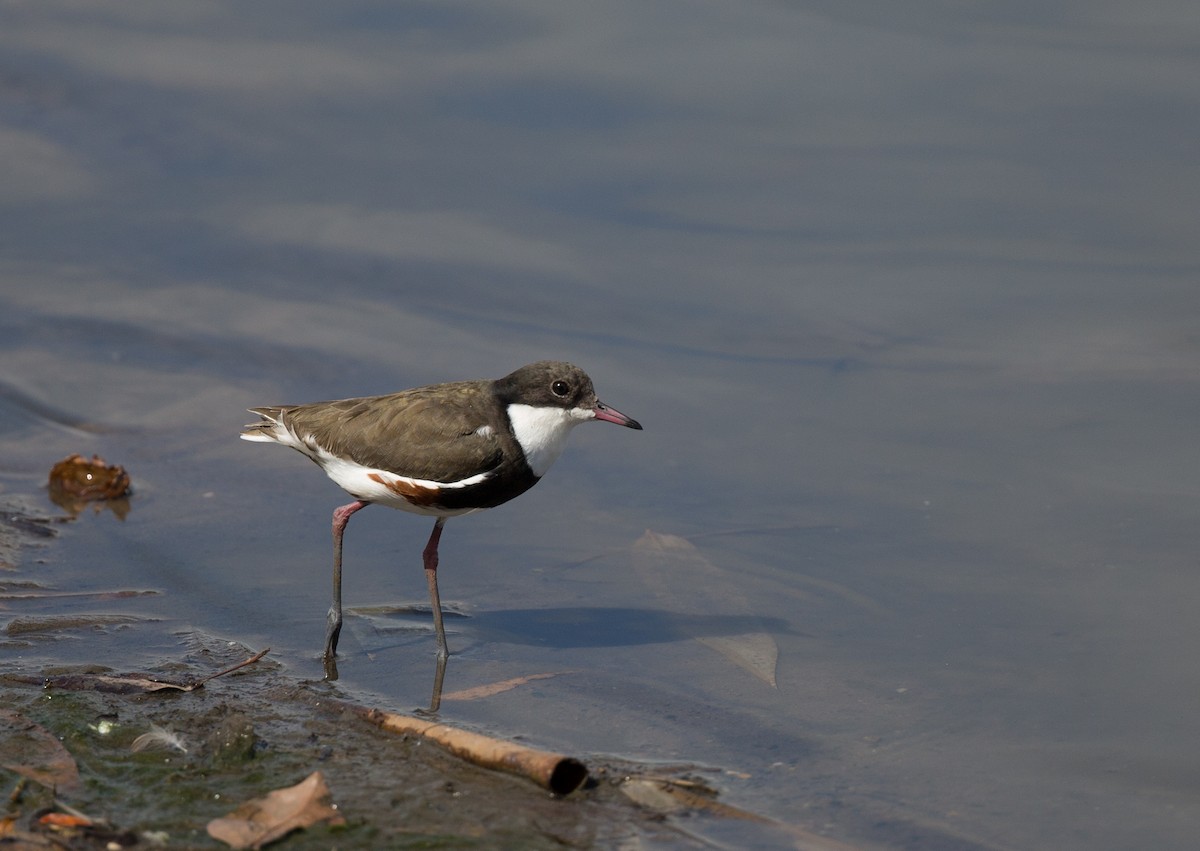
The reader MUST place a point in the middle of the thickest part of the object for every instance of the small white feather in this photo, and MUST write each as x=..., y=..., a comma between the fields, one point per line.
x=158, y=738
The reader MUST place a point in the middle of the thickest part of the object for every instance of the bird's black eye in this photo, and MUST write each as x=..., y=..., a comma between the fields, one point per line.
x=560, y=388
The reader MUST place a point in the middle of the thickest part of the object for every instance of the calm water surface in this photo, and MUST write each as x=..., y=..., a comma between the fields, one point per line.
x=906, y=302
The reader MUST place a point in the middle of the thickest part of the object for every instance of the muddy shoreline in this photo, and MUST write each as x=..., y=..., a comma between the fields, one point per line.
x=259, y=729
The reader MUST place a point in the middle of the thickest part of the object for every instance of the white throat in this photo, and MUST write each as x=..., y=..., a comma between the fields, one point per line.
x=542, y=432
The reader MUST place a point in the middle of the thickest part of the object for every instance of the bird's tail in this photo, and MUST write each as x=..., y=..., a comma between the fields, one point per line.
x=270, y=429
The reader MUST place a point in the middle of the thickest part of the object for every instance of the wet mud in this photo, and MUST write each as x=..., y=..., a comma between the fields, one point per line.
x=94, y=757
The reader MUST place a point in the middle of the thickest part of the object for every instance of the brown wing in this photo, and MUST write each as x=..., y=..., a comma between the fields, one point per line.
x=436, y=433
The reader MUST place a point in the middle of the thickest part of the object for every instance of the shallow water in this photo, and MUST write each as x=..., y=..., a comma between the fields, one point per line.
x=904, y=303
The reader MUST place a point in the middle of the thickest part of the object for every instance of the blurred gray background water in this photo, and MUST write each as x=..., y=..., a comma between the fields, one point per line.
x=905, y=297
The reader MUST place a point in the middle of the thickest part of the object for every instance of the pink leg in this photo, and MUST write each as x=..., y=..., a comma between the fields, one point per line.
x=334, y=621
x=430, y=557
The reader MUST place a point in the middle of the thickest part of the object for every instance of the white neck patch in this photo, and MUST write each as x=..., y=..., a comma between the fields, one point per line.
x=542, y=432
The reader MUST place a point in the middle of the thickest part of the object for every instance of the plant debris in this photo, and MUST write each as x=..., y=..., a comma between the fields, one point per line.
x=76, y=481
x=264, y=820
x=560, y=774
x=491, y=689
x=668, y=563
x=36, y=754
x=124, y=683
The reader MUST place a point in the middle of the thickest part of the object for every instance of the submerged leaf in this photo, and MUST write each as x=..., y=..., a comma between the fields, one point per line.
x=57, y=623
x=678, y=573
x=676, y=796
x=32, y=751
x=757, y=652
x=495, y=688
x=669, y=795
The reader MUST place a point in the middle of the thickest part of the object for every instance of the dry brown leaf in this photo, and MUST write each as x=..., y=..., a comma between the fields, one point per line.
x=34, y=752
x=113, y=683
x=669, y=563
x=264, y=820
x=497, y=688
